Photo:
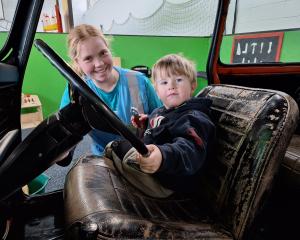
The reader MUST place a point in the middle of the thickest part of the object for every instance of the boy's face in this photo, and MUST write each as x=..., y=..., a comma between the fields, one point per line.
x=173, y=90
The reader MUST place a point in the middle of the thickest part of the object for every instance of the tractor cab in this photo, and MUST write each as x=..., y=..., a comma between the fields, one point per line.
x=256, y=112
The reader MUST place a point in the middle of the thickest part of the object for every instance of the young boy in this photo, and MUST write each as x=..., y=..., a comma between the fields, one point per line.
x=179, y=137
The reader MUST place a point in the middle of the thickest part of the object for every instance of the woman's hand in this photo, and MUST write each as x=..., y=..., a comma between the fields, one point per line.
x=151, y=163
x=139, y=121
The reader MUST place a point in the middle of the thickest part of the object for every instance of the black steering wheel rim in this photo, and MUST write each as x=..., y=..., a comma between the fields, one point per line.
x=84, y=90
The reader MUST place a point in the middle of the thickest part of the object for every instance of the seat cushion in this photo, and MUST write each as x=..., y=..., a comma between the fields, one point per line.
x=123, y=212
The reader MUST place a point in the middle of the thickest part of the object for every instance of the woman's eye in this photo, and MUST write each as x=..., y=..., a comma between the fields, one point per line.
x=87, y=59
x=104, y=53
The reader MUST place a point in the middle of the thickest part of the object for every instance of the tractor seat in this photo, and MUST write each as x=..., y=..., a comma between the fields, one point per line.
x=254, y=127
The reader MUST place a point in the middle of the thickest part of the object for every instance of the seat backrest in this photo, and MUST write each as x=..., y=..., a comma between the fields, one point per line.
x=254, y=127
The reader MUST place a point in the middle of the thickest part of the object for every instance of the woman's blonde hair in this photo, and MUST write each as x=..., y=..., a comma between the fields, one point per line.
x=76, y=36
x=175, y=64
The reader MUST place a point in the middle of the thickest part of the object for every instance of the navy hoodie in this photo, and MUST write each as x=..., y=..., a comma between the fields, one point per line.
x=185, y=136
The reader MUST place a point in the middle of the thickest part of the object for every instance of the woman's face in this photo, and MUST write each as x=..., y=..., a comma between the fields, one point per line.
x=95, y=60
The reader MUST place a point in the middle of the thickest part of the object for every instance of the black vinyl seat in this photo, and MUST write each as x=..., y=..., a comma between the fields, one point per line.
x=254, y=127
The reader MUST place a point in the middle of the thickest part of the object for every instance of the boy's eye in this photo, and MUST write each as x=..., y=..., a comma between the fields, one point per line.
x=179, y=80
x=163, y=82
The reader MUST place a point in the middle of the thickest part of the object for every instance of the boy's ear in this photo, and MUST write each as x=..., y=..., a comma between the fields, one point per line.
x=194, y=86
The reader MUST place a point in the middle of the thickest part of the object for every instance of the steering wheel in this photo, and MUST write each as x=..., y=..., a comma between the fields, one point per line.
x=101, y=109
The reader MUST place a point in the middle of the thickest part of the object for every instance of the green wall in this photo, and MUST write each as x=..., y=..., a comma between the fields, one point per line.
x=43, y=79
x=290, y=51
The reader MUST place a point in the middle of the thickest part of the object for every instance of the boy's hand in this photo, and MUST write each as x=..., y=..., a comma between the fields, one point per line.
x=151, y=163
x=139, y=121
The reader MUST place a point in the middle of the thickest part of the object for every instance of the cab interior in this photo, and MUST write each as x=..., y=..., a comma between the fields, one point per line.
x=255, y=109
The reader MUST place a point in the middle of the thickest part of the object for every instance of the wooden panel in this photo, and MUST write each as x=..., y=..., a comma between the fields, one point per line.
x=117, y=61
x=34, y=116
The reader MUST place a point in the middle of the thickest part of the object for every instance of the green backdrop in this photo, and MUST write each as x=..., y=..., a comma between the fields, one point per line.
x=43, y=79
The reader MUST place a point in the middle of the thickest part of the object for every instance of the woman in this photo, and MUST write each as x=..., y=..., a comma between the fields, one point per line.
x=92, y=59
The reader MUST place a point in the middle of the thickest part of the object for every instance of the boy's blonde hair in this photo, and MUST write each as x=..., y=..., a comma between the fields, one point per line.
x=76, y=36
x=175, y=64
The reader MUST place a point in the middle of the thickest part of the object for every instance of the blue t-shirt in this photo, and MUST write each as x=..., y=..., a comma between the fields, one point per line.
x=119, y=101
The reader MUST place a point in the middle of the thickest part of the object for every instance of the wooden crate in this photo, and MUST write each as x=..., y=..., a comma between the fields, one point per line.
x=32, y=113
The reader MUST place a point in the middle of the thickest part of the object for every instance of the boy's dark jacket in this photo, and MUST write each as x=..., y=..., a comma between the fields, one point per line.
x=185, y=136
